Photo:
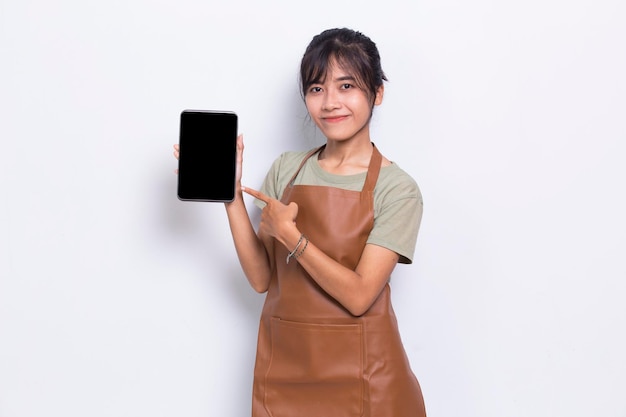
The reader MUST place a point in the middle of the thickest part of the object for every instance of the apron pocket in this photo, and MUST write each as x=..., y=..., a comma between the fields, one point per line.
x=315, y=370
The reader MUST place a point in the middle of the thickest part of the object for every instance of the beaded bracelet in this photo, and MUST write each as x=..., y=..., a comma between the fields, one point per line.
x=299, y=254
x=293, y=252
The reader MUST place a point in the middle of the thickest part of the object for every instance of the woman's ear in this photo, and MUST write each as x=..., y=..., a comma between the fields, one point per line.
x=380, y=92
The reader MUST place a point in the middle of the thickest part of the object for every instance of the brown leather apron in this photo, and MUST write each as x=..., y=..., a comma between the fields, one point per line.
x=314, y=358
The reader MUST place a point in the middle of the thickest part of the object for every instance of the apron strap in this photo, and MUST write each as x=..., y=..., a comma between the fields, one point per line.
x=308, y=155
x=373, y=170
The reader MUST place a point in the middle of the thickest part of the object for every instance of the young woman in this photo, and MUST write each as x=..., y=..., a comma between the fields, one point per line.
x=335, y=222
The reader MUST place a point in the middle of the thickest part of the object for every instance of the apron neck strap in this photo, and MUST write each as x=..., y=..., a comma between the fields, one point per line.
x=306, y=158
x=373, y=170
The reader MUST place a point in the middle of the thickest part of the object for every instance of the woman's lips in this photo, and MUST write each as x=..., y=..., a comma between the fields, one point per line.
x=335, y=119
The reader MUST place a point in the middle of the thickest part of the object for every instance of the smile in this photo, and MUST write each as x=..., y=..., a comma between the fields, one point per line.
x=335, y=119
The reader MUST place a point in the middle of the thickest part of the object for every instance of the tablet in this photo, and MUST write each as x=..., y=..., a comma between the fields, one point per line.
x=207, y=160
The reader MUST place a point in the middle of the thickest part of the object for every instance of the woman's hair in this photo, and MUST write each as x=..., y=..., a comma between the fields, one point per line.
x=350, y=50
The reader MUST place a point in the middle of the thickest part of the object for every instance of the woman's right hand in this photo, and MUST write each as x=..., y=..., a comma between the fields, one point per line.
x=239, y=163
x=176, y=154
x=238, y=170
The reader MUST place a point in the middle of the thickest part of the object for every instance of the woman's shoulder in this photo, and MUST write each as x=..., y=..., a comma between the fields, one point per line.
x=395, y=181
x=289, y=157
x=284, y=166
x=288, y=161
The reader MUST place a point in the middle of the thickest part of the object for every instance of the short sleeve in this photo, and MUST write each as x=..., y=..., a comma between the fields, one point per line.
x=270, y=183
x=279, y=174
x=398, y=214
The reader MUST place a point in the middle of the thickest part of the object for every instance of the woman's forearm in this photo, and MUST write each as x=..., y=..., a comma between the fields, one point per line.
x=252, y=253
x=355, y=290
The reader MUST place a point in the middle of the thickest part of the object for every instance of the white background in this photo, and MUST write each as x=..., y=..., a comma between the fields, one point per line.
x=116, y=299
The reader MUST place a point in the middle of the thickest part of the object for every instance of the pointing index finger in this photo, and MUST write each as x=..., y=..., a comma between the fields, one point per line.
x=256, y=194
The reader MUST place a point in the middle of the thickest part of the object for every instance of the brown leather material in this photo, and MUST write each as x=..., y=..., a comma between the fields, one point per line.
x=314, y=358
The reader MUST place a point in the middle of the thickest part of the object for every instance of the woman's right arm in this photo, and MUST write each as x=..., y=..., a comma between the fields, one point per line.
x=252, y=250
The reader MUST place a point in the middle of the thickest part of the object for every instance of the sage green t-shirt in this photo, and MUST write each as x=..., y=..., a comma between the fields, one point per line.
x=397, y=199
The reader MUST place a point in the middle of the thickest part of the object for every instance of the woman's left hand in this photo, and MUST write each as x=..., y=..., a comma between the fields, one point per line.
x=277, y=219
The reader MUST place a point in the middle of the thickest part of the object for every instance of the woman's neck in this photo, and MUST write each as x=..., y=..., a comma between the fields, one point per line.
x=346, y=157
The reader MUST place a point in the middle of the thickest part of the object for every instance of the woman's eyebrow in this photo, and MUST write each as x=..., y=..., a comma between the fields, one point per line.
x=345, y=78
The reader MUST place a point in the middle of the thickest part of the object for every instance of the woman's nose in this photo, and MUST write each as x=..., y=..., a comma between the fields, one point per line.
x=331, y=101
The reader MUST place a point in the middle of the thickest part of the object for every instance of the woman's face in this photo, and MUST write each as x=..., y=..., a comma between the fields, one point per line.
x=339, y=108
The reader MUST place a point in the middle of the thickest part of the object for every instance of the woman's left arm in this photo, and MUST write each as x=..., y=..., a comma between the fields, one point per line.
x=355, y=290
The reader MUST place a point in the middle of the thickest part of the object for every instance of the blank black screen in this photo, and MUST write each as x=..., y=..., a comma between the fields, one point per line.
x=206, y=168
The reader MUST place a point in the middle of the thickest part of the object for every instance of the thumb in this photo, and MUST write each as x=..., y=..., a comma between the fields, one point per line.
x=293, y=209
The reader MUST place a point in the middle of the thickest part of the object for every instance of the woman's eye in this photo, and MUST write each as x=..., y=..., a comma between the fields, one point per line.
x=315, y=89
x=346, y=86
